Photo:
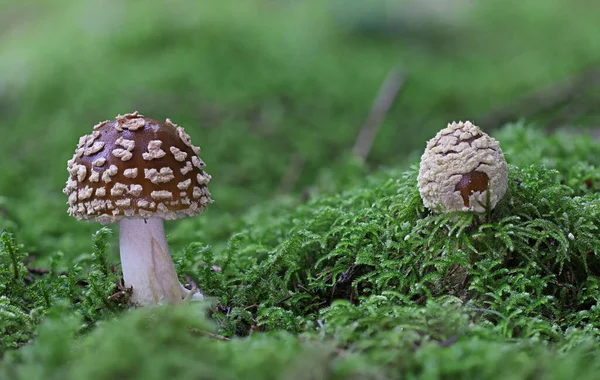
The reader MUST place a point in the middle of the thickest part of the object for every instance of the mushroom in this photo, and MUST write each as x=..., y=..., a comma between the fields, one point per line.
x=139, y=171
x=462, y=168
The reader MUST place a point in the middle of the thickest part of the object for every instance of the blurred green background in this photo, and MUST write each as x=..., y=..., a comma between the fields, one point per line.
x=269, y=87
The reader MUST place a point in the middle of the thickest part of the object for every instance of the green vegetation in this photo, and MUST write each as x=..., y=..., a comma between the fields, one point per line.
x=346, y=276
x=364, y=283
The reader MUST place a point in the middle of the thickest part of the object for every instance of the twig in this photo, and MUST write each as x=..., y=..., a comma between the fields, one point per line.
x=119, y=294
x=388, y=91
x=569, y=113
x=211, y=335
x=191, y=282
x=304, y=288
x=542, y=99
x=41, y=271
x=448, y=342
x=290, y=178
x=283, y=300
x=595, y=133
x=35, y=270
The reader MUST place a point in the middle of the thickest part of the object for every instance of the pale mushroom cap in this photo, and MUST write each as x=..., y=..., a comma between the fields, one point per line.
x=460, y=168
x=136, y=167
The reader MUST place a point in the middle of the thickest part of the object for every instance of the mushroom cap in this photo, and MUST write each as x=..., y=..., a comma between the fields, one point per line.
x=460, y=168
x=135, y=166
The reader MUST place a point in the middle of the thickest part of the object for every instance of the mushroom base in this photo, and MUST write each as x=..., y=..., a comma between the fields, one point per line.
x=147, y=265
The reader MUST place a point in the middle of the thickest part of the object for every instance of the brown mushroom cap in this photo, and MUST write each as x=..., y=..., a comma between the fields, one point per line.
x=136, y=167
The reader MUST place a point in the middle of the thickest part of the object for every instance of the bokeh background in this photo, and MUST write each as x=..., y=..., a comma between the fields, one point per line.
x=274, y=92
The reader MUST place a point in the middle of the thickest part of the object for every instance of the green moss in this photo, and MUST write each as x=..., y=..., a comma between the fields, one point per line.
x=28, y=292
x=255, y=86
x=363, y=283
x=576, y=158
x=534, y=256
x=350, y=277
x=437, y=341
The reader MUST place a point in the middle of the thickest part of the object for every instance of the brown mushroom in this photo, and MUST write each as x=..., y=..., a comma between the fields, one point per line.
x=138, y=171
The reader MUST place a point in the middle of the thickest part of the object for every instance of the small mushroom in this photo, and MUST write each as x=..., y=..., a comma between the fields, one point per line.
x=462, y=169
x=126, y=172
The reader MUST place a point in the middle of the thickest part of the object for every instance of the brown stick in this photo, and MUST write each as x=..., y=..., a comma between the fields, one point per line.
x=570, y=112
x=35, y=270
x=283, y=300
x=42, y=271
x=388, y=91
x=290, y=178
x=542, y=99
x=209, y=334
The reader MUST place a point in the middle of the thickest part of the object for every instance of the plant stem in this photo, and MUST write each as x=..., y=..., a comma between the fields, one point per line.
x=8, y=243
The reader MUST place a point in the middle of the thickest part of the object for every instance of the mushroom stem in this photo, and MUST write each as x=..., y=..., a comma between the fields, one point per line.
x=147, y=265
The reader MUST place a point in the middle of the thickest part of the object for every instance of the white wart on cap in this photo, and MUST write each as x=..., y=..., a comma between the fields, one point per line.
x=136, y=167
x=462, y=168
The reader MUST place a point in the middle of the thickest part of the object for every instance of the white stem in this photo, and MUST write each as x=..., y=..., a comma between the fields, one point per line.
x=146, y=263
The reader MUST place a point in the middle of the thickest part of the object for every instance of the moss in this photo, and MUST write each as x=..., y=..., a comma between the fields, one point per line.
x=28, y=293
x=533, y=256
x=285, y=81
x=352, y=278
x=362, y=283
x=179, y=342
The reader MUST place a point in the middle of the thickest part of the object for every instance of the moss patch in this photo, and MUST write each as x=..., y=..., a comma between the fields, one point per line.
x=362, y=283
